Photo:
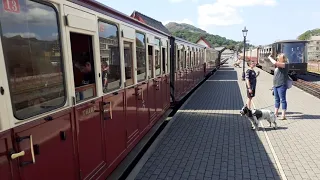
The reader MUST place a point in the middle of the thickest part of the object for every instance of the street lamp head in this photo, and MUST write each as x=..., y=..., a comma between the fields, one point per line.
x=244, y=32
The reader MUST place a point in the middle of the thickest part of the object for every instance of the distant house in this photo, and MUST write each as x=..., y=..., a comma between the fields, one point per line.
x=220, y=48
x=204, y=42
x=314, y=48
x=149, y=21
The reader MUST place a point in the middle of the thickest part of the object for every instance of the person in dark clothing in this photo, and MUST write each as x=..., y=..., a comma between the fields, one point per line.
x=105, y=72
x=251, y=82
x=86, y=68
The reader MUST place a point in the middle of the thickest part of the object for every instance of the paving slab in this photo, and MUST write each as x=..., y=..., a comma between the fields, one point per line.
x=208, y=139
x=297, y=141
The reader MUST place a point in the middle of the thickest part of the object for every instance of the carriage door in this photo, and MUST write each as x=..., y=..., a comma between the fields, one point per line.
x=151, y=84
x=166, y=79
x=132, y=92
x=89, y=124
x=113, y=99
x=158, y=80
x=8, y=166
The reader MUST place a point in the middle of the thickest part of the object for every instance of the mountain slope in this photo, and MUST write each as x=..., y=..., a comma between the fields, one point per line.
x=192, y=34
x=173, y=27
x=307, y=35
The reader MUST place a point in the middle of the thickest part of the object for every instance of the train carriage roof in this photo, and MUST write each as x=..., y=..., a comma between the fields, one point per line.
x=188, y=42
x=290, y=41
x=106, y=10
x=150, y=21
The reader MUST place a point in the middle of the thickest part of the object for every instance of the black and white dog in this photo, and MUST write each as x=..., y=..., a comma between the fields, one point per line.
x=257, y=115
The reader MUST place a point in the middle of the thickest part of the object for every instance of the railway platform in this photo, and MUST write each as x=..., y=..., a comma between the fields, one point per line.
x=208, y=139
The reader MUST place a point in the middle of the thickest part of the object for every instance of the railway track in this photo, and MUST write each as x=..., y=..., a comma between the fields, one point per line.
x=309, y=87
x=313, y=74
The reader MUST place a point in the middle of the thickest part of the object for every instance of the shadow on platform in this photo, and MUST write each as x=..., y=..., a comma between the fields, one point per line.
x=208, y=139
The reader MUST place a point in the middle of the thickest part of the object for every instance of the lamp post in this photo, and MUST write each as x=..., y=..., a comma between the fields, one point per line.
x=244, y=32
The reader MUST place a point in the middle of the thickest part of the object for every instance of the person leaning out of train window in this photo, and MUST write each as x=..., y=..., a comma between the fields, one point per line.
x=251, y=82
x=280, y=79
x=86, y=68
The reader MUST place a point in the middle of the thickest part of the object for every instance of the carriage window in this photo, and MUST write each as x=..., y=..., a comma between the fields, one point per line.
x=190, y=59
x=164, y=56
x=83, y=66
x=157, y=60
x=179, y=60
x=128, y=61
x=141, y=56
x=185, y=59
x=31, y=47
x=109, y=56
x=150, y=59
x=193, y=59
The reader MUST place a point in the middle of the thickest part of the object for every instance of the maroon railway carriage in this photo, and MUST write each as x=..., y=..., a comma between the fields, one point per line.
x=80, y=85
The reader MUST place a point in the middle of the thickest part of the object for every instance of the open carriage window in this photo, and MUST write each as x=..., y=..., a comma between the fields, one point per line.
x=164, y=60
x=128, y=61
x=83, y=66
x=32, y=51
x=150, y=60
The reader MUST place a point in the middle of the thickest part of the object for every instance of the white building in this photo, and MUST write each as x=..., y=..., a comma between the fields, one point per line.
x=202, y=41
x=314, y=48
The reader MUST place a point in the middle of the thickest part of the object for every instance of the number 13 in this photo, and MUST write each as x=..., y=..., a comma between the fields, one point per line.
x=11, y=5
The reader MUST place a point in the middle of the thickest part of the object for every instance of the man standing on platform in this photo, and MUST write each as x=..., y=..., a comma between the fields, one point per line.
x=251, y=82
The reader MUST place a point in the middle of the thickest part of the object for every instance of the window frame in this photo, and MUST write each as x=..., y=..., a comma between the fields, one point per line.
x=62, y=66
x=95, y=66
x=121, y=83
x=157, y=47
x=134, y=61
x=146, y=55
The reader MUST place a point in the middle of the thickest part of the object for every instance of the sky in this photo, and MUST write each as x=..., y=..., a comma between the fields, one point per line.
x=266, y=20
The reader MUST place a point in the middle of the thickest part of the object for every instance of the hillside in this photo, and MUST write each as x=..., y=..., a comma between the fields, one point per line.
x=173, y=27
x=192, y=34
x=306, y=35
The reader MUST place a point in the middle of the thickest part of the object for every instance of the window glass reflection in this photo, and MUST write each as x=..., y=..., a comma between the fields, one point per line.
x=294, y=51
x=109, y=56
x=141, y=56
x=31, y=47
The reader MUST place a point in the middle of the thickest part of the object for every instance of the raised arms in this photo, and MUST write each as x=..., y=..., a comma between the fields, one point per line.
x=278, y=64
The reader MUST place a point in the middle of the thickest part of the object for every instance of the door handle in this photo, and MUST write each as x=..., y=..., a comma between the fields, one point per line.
x=105, y=110
x=33, y=161
x=16, y=155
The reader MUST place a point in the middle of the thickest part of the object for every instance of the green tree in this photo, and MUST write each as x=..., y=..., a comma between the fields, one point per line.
x=307, y=35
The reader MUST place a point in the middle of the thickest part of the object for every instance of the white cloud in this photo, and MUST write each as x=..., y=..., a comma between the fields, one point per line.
x=187, y=21
x=226, y=12
x=22, y=34
x=245, y=3
x=217, y=14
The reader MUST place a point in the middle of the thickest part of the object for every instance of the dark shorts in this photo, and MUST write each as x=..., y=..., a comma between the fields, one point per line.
x=251, y=95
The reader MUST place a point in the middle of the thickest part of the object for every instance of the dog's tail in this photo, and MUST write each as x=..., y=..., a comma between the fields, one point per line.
x=273, y=116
